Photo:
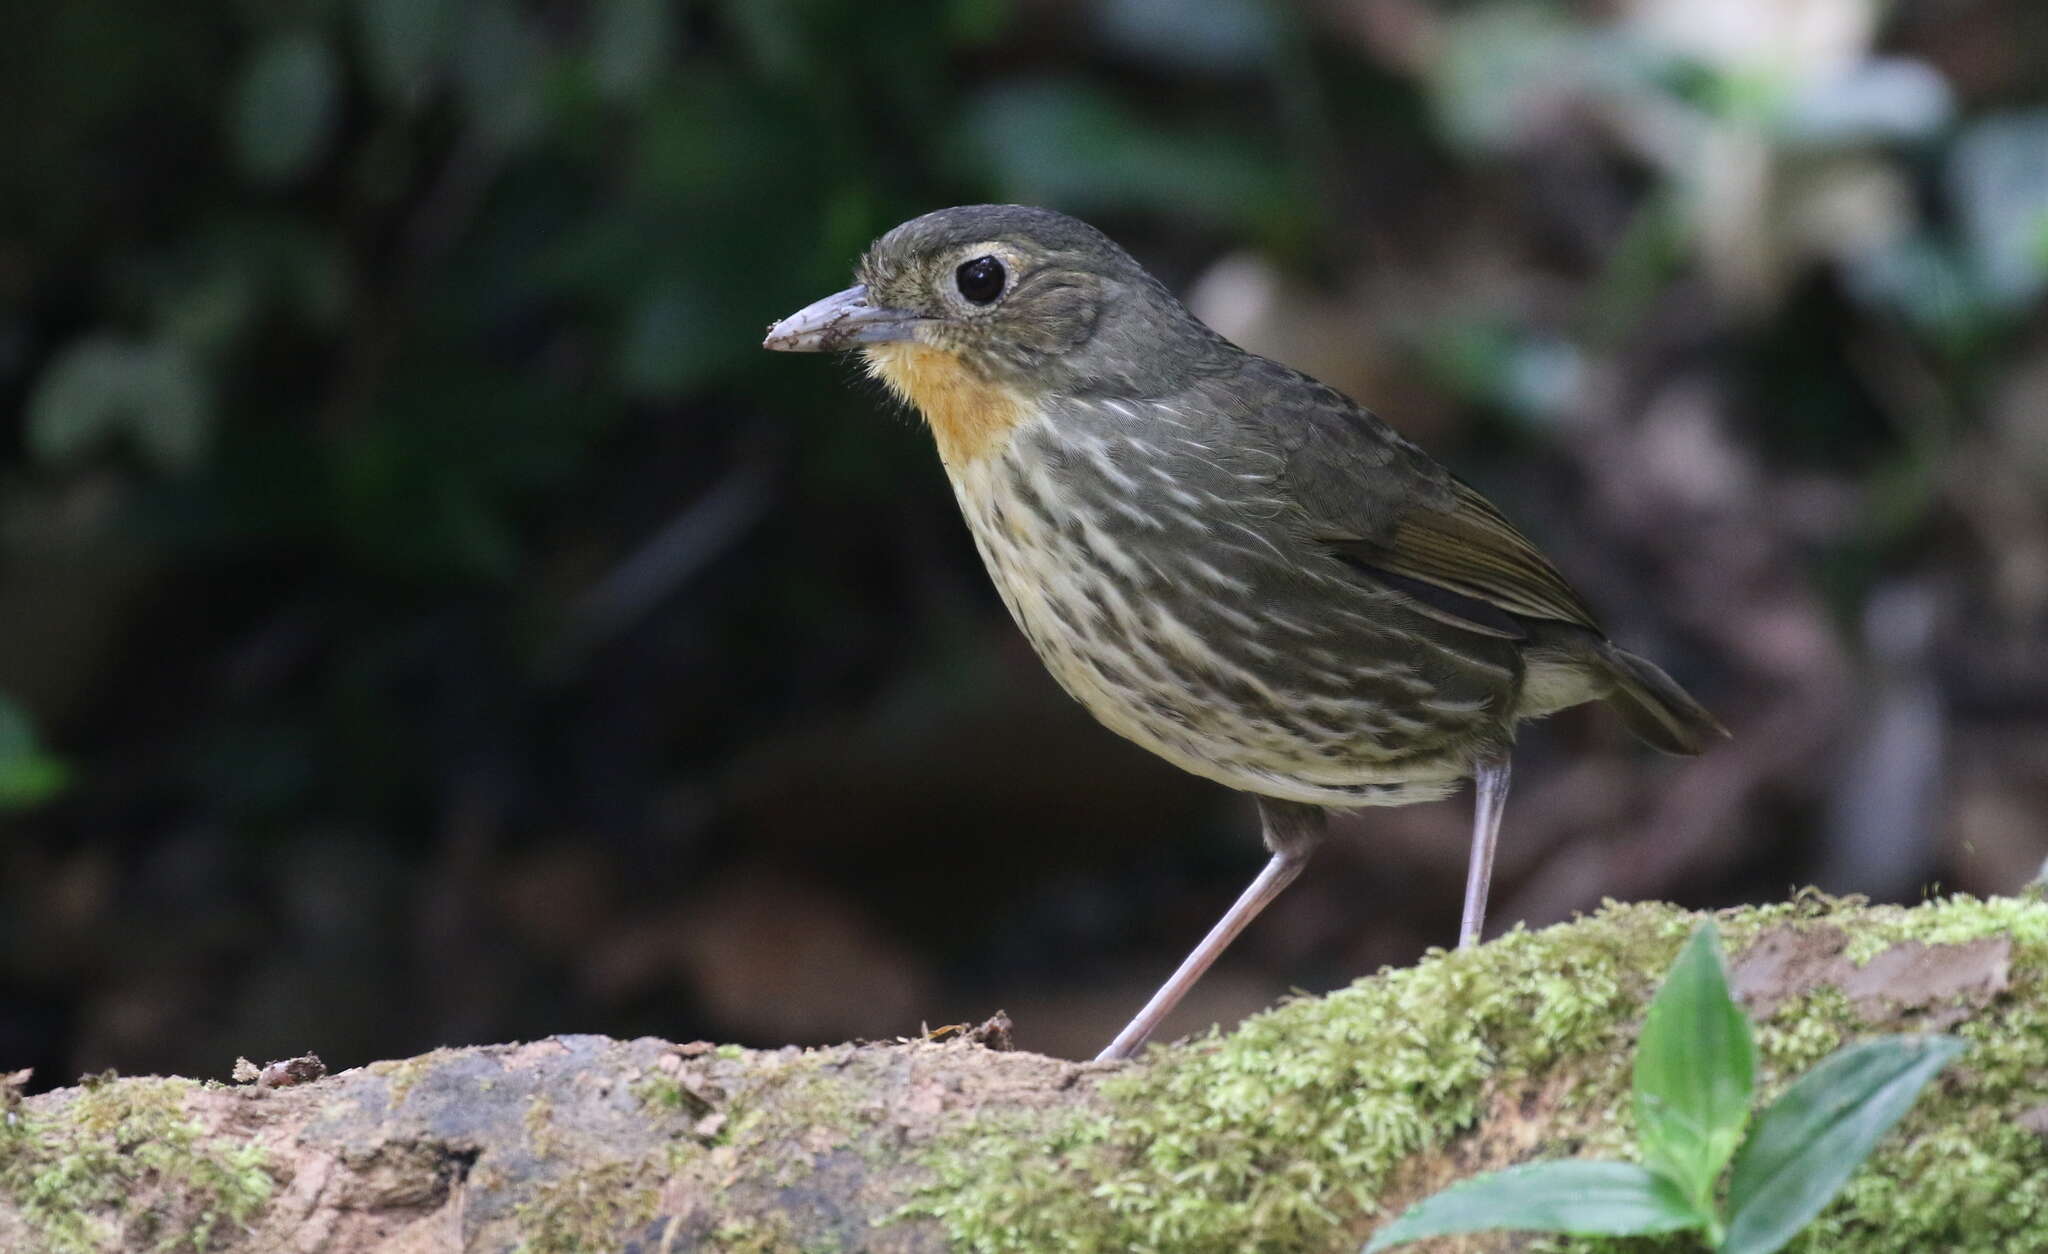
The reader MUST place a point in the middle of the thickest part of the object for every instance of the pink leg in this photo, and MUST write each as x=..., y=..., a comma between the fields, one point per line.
x=1292, y=832
x=1489, y=795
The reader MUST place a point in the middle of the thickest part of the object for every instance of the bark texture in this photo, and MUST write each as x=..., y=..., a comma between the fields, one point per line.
x=1298, y=1132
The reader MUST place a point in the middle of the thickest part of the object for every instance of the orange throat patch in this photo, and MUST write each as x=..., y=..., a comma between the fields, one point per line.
x=969, y=416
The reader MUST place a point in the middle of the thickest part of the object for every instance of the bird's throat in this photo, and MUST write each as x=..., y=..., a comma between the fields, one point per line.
x=970, y=417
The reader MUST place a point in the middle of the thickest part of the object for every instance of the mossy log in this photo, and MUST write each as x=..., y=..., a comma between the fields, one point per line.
x=1297, y=1132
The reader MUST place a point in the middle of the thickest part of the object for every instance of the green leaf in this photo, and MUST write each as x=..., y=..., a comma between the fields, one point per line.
x=1206, y=36
x=101, y=387
x=630, y=46
x=1498, y=60
x=1998, y=183
x=286, y=107
x=1069, y=143
x=668, y=347
x=31, y=780
x=28, y=776
x=1811, y=1140
x=1587, y=1199
x=1695, y=1070
x=500, y=63
x=1881, y=100
x=402, y=43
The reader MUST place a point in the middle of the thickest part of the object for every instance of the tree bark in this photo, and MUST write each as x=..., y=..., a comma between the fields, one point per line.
x=1298, y=1132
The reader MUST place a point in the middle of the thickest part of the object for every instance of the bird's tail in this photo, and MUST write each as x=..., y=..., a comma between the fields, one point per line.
x=1656, y=709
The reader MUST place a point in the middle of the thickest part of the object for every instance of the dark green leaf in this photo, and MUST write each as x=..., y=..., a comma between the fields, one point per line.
x=30, y=781
x=630, y=45
x=102, y=387
x=500, y=62
x=1586, y=1199
x=1067, y=143
x=668, y=346
x=402, y=43
x=285, y=107
x=1695, y=1070
x=27, y=774
x=977, y=22
x=1206, y=36
x=17, y=734
x=1811, y=1140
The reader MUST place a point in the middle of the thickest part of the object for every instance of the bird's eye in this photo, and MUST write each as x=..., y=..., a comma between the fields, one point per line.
x=980, y=280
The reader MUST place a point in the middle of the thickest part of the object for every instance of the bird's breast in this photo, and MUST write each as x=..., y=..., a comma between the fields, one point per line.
x=1161, y=617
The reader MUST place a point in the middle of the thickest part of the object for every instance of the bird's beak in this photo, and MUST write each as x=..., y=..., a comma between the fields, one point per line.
x=840, y=321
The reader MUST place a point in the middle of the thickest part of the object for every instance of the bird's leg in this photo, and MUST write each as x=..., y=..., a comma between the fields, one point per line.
x=1489, y=795
x=1292, y=831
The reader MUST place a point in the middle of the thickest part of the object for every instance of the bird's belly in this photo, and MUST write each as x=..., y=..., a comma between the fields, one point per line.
x=1192, y=663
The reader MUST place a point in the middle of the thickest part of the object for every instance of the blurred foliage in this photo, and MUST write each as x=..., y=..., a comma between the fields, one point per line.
x=392, y=486
x=27, y=774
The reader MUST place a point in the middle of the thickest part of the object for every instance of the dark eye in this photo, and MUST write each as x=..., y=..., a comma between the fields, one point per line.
x=980, y=280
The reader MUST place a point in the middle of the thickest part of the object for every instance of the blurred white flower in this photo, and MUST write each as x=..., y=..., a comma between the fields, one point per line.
x=1797, y=40
x=1766, y=117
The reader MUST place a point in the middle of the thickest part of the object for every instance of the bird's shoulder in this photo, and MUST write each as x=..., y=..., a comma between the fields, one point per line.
x=1339, y=461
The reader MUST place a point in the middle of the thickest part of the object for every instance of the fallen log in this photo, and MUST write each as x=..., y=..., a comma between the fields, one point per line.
x=1299, y=1131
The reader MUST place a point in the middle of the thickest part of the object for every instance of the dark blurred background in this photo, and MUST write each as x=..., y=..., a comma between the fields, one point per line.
x=427, y=617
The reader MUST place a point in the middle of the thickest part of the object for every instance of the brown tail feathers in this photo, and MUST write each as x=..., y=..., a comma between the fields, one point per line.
x=1656, y=709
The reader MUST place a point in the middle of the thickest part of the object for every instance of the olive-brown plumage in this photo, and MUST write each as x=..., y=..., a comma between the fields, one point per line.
x=1223, y=559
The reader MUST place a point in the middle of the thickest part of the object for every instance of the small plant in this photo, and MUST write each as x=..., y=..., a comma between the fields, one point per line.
x=1695, y=1072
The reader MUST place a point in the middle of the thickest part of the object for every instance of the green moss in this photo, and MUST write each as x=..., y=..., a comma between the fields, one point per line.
x=1950, y=921
x=664, y=1094
x=1804, y=1030
x=122, y=1166
x=1280, y=1136
x=1963, y=1175
x=766, y=1234
x=402, y=1074
x=792, y=1109
x=587, y=1211
x=779, y=1111
x=540, y=1127
x=771, y=1234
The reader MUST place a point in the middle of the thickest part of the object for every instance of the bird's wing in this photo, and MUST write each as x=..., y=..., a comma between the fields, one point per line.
x=1386, y=508
x=1466, y=547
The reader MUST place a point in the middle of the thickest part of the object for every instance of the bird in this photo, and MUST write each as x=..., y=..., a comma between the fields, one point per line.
x=1223, y=559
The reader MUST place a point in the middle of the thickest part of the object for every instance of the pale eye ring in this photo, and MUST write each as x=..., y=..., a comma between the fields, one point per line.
x=980, y=280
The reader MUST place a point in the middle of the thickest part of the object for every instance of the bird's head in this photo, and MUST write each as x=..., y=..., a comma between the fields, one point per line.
x=974, y=312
